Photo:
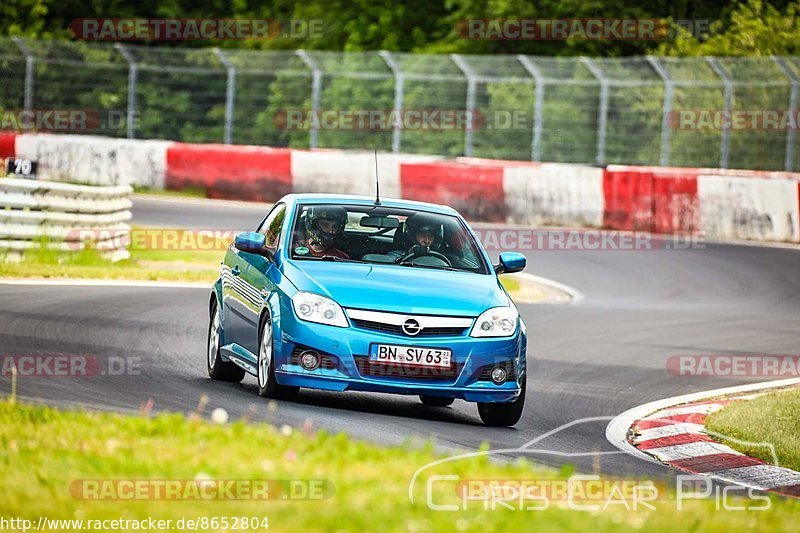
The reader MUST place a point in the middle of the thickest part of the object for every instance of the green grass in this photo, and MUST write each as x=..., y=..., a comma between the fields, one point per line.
x=144, y=264
x=511, y=284
x=43, y=451
x=189, y=192
x=771, y=418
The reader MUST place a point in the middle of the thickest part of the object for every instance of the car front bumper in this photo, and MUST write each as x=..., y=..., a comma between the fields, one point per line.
x=349, y=350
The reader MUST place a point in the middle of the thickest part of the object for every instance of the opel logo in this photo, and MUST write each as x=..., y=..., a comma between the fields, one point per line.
x=411, y=327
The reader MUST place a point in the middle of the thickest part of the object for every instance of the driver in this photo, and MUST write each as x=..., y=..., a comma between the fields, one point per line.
x=323, y=225
x=423, y=233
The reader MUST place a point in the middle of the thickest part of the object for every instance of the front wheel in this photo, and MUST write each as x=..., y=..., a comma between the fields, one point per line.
x=503, y=414
x=217, y=368
x=268, y=387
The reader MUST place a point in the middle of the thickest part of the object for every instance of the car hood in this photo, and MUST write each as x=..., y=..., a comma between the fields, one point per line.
x=397, y=289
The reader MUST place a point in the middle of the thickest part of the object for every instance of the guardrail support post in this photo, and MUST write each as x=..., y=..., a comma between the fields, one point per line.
x=469, y=134
x=602, y=119
x=725, y=146
x=133, y=75
x=788, y=161
x=399, y=83
x=666, y=133
x=230, y=94
x=316, y=92
x=538, y=106
x=29, y=66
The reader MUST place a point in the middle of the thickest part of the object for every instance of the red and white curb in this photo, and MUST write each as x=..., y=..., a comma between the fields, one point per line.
x=672, y=432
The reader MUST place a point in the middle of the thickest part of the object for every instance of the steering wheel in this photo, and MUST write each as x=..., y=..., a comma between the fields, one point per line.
x=420, y=251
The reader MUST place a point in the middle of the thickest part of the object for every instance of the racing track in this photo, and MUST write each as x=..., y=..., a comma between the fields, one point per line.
x=595, y=359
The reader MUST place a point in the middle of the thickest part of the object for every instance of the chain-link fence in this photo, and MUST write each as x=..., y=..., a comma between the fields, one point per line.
x=702, y=112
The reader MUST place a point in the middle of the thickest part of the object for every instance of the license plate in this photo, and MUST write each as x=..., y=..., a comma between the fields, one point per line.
x=410, y=355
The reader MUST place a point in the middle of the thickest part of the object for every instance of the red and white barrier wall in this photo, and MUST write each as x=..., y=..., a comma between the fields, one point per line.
x=725, y=204
x=228, y=171
x=94, y=160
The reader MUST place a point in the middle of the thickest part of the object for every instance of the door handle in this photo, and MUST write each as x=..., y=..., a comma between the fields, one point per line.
x=236, y=270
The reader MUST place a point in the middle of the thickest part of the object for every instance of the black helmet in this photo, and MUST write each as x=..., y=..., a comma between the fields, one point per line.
x=331, y=213
x=423, y=222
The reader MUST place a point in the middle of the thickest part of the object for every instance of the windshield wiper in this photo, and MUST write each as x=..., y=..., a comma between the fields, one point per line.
x=443, y=267
x=327, y=258
x=338, y=259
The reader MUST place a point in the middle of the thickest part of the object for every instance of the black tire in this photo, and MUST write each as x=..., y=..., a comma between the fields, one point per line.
x=268, y=387
x=436, y=401
x=503, y=414
x=217, y=368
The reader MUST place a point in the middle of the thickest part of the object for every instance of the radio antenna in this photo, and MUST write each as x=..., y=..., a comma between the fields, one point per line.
x=377, y=182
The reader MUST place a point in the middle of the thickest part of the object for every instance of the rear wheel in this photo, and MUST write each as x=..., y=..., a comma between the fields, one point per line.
x=503, y=414
x=436, y=401
x=268, y=387
x=217, y=368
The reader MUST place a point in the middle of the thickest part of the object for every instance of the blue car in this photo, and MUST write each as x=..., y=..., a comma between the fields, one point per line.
x=348, y=293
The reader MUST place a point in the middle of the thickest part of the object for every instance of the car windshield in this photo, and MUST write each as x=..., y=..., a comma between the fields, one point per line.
x=380, y=234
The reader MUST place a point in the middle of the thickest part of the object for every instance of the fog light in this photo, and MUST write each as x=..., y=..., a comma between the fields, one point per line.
x=499, y=374
x=309, y=360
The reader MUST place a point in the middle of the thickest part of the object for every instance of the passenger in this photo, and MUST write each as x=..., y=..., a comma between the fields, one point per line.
x=323, y=225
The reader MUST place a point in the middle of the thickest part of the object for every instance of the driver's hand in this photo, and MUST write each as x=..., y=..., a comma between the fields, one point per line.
x=418, y=250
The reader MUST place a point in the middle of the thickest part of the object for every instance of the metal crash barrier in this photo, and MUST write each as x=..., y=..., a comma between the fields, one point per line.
x=64, y=216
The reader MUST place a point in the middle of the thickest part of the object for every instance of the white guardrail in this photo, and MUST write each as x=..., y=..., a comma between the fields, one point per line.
x=65, y=216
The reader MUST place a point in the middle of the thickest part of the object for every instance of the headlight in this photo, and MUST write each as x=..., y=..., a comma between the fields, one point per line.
x=496, y=322
x=315, y=308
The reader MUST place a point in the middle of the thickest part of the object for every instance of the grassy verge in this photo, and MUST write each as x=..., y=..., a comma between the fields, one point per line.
x=745, y=421
x=184, y=193
x=143, y=264
x=45, y=454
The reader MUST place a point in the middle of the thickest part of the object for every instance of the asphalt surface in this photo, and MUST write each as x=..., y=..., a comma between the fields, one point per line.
x=594, y=359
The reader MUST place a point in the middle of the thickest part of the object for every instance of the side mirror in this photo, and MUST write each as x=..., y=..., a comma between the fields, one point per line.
x=510, y=262
x=250, y=241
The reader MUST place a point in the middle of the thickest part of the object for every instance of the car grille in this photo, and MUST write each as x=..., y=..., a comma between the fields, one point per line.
x=398, y=370
x=398, y=330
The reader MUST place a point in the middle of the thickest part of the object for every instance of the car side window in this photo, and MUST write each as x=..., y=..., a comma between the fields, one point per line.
x=271, y=228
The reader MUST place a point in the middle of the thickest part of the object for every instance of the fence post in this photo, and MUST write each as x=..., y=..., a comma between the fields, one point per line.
x=788, y=162
x=538, y=106
x=471, y=88
x=133, y=74
x=666, y=133
x=230, y=93
x=602, y=120
x=316, y=90
x=29, y=65
x=399, y=83
x=725, y=147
